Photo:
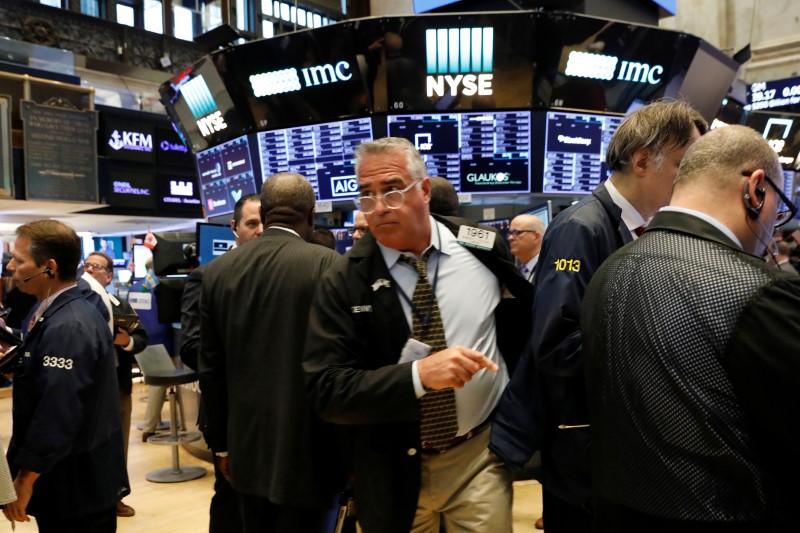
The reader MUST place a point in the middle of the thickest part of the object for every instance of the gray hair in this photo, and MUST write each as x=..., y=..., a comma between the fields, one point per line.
x=657, y=127
x=414, y=163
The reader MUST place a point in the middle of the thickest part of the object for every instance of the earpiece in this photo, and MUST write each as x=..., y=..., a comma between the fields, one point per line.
x=753, y=212
x=49, y=272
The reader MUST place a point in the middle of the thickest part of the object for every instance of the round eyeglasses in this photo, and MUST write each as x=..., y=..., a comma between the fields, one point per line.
x=392, y=199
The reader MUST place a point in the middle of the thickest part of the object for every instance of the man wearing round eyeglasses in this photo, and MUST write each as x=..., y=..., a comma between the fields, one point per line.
x=127, y=343
x=525, y=238
x=412, y=316
x=691, y=344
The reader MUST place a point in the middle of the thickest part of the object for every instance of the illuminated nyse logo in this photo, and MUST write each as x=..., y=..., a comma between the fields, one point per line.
x=459, y=61
x=181, y=188
x=602, y=67
x=198, y=99
x=344, y=186
x=131, y=140
x=779, y=144
x=287, y=80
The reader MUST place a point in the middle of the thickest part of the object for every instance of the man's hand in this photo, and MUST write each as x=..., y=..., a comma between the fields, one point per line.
x=122, y=338
x=452, y=367
x=224, y=467
x=23, y=485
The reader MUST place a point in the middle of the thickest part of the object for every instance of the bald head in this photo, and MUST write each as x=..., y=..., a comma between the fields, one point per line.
x=726, y=175
x=525, y=236
x=288, y=200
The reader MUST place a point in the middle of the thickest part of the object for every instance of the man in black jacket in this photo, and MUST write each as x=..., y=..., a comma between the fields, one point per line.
x=254, y=310
x=127, y=343
x=691, y=353
x=547, y=394
x=376, y=349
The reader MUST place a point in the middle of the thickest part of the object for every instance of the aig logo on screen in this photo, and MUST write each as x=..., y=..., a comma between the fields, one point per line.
x=344, y=186
x=459, y=61
x=204, y=108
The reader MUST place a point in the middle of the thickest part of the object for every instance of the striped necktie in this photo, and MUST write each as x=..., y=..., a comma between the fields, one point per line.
x=438, y=424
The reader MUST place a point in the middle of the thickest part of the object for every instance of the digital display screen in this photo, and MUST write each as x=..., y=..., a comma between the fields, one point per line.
x=575, y=147
x=479, y=152
x=226, y=174
x=179, y=192
x=125, y=140
x=170, y=149
x=782, y=132
x=132, y=188
x=542, y=211
x=213, y=240
x=323, y=153
x=776, y=94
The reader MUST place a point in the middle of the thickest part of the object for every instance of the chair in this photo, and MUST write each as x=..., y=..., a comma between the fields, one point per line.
x=158, y=369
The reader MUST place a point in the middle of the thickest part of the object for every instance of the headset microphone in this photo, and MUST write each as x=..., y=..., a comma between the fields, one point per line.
x=45, y=271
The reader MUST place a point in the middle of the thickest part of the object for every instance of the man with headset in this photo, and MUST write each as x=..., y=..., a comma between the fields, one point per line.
x=691, y=341
x=66, y=449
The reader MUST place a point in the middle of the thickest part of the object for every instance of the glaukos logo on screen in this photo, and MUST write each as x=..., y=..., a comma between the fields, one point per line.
x=459, y=61
x=204, y=108
x=603, y=67
x=489, y=178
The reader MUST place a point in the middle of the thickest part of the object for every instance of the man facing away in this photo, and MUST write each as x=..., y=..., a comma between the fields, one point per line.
x=66, y=451
x=545, y=404
x=691, y=343
x=525, y=239
x=246, y=225
x=254, y=310
x=126, y=344
x=409, y=313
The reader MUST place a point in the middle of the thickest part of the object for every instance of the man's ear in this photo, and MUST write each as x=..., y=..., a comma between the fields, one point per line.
x=639, y=161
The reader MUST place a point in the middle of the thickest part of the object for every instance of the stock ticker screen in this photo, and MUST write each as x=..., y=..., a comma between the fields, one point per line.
x=575, y=151
x=226, y=174
x=479, y=152
x=323, y=153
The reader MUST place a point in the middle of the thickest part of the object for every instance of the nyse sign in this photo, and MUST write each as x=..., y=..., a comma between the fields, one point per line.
x=459, y=61
x=288, y=80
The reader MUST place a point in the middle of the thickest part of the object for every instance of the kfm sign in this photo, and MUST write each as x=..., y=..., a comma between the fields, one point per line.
x=204, y=108
x=130, y=140
x=603, y=67
x=459, y=61
x=288, y=80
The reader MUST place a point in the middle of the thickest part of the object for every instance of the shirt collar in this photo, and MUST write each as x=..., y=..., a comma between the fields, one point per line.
x=706, y=217
x=630, y=216
x=48, y=301
x=290, y=230
x=441, y=239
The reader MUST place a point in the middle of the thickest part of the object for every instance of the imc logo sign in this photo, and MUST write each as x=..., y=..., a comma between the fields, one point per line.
x=344, y=186
x=204, y=108
x=459, y=61
x=131, y=140
x=288, y=80
x=603, y=67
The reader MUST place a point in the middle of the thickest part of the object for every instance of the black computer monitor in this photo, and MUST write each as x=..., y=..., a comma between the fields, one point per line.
x=174, y=253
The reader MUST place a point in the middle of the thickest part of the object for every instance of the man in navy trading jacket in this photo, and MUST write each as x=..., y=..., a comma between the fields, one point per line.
x=409, y=313
x=545, y=404
x=66, y=448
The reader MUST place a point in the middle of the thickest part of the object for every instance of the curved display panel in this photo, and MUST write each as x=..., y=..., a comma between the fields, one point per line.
x=226, y=174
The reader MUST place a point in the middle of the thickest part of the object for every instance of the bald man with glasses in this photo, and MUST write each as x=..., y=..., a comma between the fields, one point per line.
x=409, y=343
x=525, y=238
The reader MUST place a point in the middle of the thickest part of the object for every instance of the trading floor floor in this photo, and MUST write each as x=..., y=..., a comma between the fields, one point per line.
x=183, y=507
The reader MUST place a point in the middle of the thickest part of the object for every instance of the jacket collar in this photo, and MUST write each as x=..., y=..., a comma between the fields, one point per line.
x=614, y=211
x=688, y=224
